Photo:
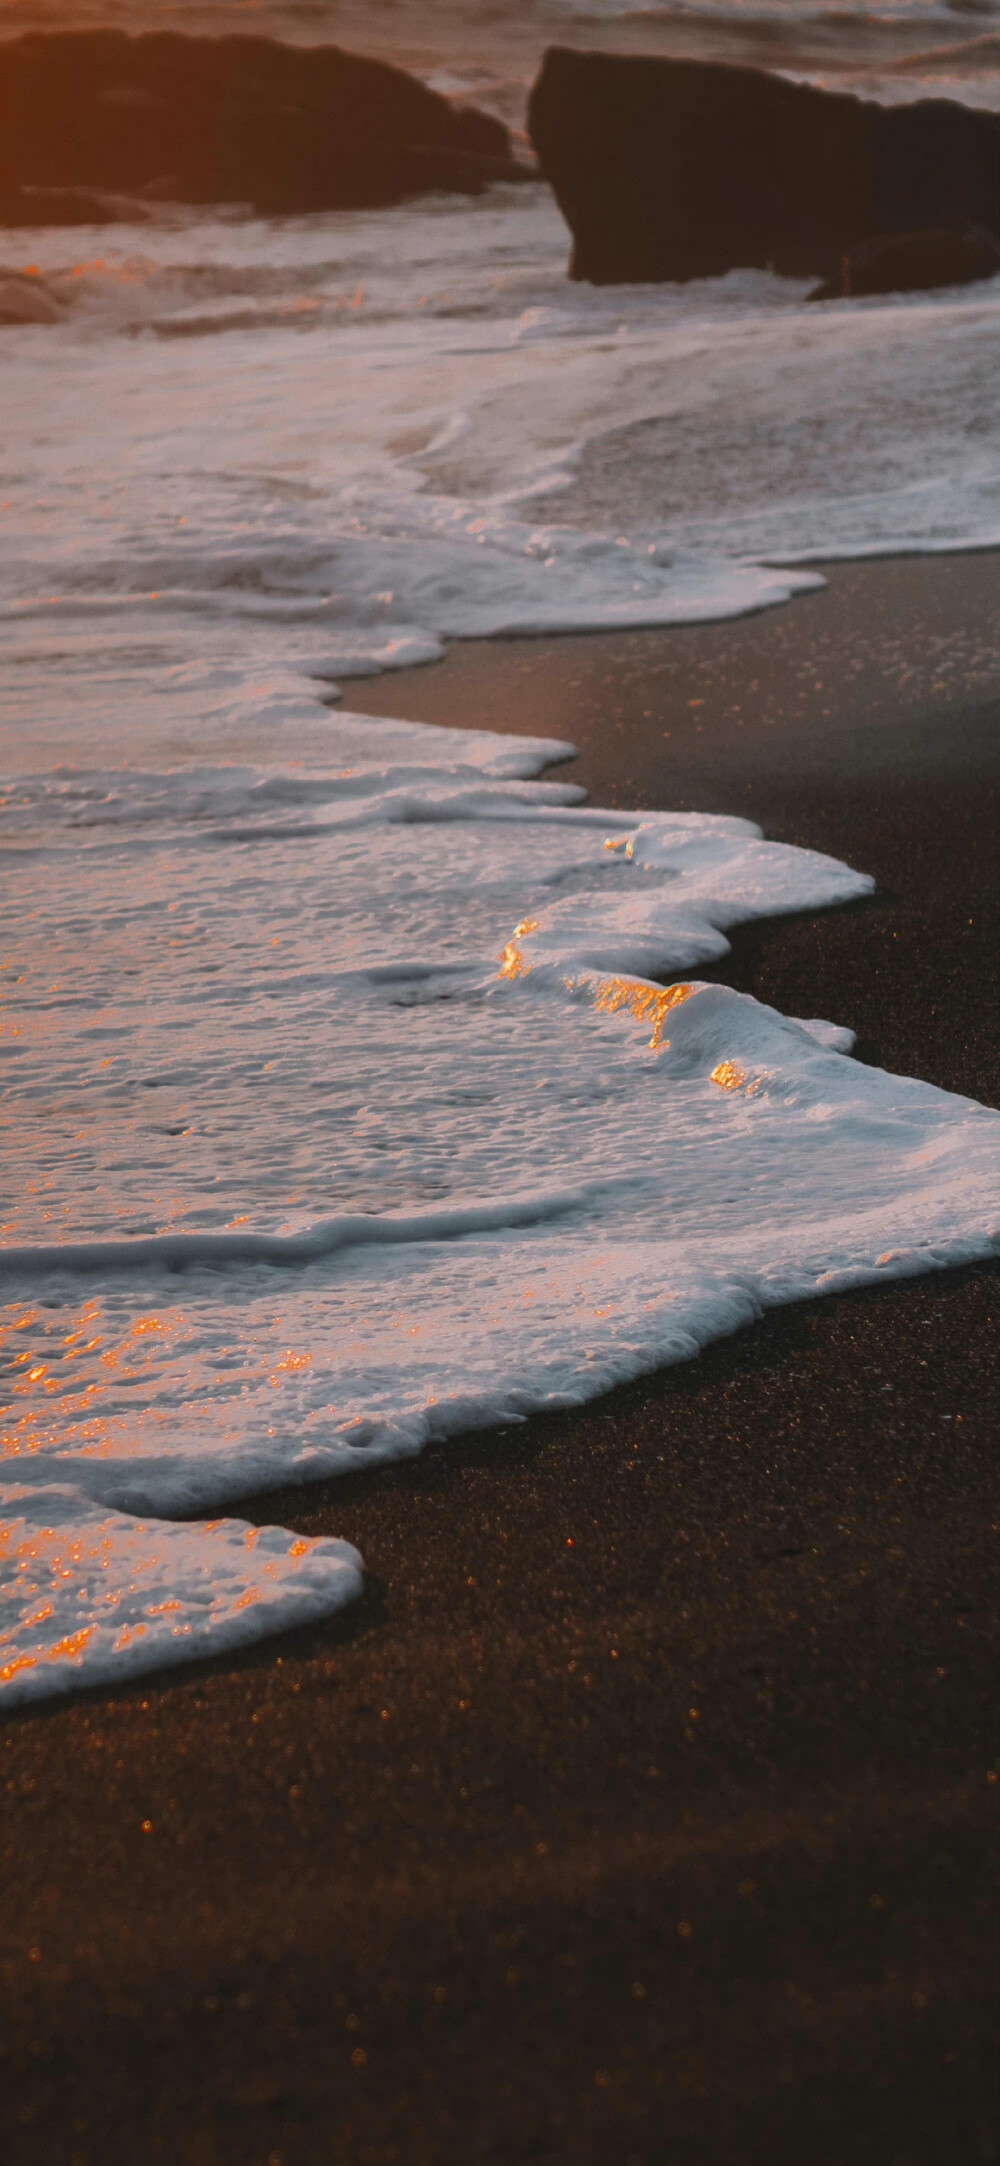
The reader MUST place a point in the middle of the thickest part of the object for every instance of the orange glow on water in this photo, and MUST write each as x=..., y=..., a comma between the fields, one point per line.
x=648, y=1003
x=12, y=1669
x=73, y=1644
x=512, y=962
x=54, y=1401
x=729, y=1075
x=60, y=1650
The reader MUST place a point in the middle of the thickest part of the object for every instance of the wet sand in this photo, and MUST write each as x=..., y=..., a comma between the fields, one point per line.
x=642, y=1814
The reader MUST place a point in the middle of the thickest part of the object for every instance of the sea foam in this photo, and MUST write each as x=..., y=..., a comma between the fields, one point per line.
x=369, y=1103
x=334, y=444
x=363, y=1085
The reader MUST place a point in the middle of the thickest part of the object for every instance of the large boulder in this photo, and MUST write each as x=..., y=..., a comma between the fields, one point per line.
x=674, y=169
x=240, y=120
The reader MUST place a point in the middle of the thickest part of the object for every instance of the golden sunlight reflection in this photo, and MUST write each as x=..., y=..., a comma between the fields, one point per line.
x=729, y=1075
x=648, y=1003
x=513, y=963
x=288, y=1364
x=71, y=1645
x=123, y=1574
x=56, y=1387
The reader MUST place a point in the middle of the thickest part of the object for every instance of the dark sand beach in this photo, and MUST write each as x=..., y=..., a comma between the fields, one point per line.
x=642, y=1814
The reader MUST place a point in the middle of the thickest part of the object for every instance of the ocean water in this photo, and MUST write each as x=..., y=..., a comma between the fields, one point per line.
x=360, y=1086
x=489, y=50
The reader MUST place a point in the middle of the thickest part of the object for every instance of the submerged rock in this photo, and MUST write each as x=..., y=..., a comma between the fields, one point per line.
x=912, y=263
x=280, y=128
x=24, y=299
x=676, y=169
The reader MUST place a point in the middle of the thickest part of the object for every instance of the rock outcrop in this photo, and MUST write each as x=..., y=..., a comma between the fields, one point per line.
x=912, y=263
x=24, y=299
x=278, y=127
x=676, y=169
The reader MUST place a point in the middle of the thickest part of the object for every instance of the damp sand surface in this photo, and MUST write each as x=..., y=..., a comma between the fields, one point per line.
x=641, y=1810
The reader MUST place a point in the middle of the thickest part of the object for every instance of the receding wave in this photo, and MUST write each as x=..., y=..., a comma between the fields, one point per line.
x=420, y=1130
x=369, y=1087
x=179, y=1251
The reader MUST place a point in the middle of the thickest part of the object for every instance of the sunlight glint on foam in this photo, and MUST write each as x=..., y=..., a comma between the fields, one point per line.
x=420, y=1191
x=352, y=1106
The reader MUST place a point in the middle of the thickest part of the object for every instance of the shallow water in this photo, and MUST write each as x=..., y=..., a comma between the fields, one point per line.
x=355, y=1116
x=360, y=1087
x=336, y=442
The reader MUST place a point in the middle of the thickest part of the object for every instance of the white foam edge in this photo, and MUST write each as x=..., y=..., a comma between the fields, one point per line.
x=156, y=1592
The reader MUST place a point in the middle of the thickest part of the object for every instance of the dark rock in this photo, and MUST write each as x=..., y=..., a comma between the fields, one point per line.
x=675, y=169
x=280, y=128
x=912, y=263
x=60, y=206
x=24, y=299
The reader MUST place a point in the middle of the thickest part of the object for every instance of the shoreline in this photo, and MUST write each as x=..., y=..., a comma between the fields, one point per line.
x=639, y=1813
x=835, y=721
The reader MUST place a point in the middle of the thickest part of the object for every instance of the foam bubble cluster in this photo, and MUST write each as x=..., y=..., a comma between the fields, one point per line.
x=372, y=1102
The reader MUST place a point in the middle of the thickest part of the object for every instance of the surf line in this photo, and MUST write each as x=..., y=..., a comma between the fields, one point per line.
x=178, y=1251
